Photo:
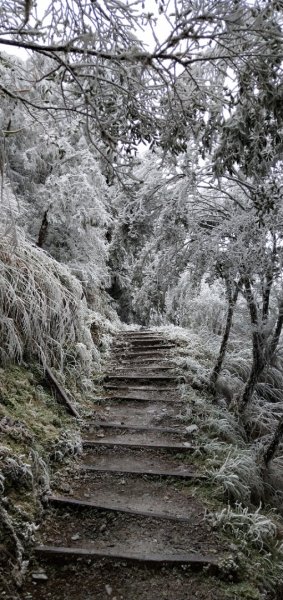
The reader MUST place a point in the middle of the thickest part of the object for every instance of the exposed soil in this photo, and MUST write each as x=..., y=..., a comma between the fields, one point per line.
x=101, y=581
x=136, y=493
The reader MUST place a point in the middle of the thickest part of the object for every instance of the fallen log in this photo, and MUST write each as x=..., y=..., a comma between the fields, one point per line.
x=60, y=393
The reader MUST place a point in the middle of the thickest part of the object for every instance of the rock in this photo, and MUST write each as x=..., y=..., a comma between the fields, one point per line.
x=191, y=428
x=65, y=487
x=108, y=589
x=39, y=576
x=75, y=537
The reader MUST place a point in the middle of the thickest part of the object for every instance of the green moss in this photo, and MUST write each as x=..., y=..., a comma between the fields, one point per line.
x=28, y=402
x=241, y=591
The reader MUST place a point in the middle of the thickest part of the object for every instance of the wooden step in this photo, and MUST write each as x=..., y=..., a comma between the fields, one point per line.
x=147, y=369
x=139, y=388
x=174, y=473
x=62, y=501
x=158, y=560
x=153, y=343
x=154, y=353
x=146, y=361
x=144, y=348
x=146, y=428
x=150, y=338
x=171, y=446
x=133, y=377
x=140, y=398
x=142, y=334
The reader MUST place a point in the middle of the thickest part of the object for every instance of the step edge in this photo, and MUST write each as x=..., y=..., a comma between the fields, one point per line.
x=150, y=558
x=77, y=502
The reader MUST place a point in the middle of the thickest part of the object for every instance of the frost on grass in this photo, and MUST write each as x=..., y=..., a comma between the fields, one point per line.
x=246, y=526
x=238, y=477
x=16, y=526
x=69, y=444
x=41, y=308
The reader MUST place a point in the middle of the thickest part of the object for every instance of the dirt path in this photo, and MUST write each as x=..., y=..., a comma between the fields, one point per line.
x=125, y=523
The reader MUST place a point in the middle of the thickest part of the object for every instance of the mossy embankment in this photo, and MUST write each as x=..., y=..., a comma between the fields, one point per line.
x=38, y=436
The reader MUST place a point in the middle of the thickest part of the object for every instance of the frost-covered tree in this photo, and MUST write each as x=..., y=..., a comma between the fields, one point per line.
x=54, y=221
x=57, y=177
x=128, y=92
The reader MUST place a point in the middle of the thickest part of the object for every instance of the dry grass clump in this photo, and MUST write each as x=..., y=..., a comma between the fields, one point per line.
x=246, y=526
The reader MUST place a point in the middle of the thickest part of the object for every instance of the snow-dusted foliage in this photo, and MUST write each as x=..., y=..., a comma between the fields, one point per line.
x=54, y=219
x=41, y=307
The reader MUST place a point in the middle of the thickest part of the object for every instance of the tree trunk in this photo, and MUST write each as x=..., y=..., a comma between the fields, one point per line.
x=273, y=445
x=256, y=370
x=262, y=352
x=43, y=230
x=258, y=363
x=277, y=332
x=268, y=281
x=232, y=299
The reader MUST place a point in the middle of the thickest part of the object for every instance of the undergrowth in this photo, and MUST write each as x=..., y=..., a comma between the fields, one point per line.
x=238, y=491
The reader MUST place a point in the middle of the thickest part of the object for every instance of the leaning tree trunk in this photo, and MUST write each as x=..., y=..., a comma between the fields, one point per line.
x=255, y=373
x=277, y=333
x=271, y=448
x=263, y=352
x=274, y=443
x=232, y=299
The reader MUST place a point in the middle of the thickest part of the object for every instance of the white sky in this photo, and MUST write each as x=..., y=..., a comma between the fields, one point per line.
x=162, y=28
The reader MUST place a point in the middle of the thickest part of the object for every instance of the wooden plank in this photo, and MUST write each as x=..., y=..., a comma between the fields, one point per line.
x=143, y=471
x=144, y=388
x=121, y=390
x=147, y=369
x=106, y=507
x=144, y=348
x=140, y=368
x=147, y=361
x=139, y=333
x=150, y=445
x=146, y=428
x=152, y=343
x=60, y=393
x=133, y=377
x=154, y=353
x=194, y=559
x=124, y=397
